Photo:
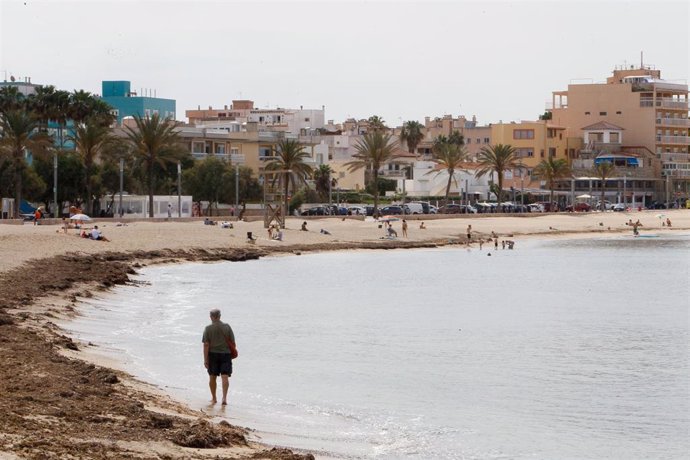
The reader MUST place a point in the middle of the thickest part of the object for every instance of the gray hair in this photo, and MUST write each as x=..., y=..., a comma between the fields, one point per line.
x=215, y=313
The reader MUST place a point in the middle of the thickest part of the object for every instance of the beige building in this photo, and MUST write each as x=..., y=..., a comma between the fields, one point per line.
x=533, y=141
x=653, y=114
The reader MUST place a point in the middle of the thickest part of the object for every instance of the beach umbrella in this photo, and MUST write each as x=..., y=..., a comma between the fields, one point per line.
x=80, y=217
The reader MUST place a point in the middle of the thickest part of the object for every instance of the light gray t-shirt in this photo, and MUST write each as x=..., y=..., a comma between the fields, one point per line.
x=216, y=334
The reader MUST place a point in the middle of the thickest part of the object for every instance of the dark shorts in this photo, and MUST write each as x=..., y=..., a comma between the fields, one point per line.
x=219, y=363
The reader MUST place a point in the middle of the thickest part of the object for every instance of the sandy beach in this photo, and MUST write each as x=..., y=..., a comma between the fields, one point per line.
x=59, y=401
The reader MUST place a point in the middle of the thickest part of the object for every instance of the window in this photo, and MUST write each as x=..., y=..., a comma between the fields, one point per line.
x=220, y=149
x=586, y=113
x=524, y=153
x=541, y=153
x=614, y=138
x=147, y=113
x=552, y=152
x=479, y=141
x=469, y=140
x=234, y=151
x=486, y=140
x=306, y=120
x=265, y=152
x=198, y=147
x=603, y=114
x=115, y=112
x=523, y=134
x=619, y=112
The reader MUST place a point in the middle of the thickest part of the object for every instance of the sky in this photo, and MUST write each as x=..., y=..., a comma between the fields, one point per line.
x=498, y=61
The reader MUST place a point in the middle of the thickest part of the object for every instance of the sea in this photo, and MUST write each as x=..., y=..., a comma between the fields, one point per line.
x=566, y=349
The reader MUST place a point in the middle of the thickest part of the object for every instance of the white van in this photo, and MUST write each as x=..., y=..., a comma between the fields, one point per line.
x=414, y=208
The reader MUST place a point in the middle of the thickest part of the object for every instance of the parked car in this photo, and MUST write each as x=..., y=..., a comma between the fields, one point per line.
x=579, y=207
x=450, y=209
x=358, y=210
x=433, y=209
x=391, y=210
x=415, y=207
x=607, y=206
x=334, y=210
x=619, y=207
x=536, y=207
x=315, y=211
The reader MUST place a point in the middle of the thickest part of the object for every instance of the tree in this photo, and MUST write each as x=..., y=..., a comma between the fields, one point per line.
x=90, y=141
x=603, y=171
x=11, y=99
x=376, y=123
x=450, y=157
x=455, y=138
x=156, y=143
x=19, y=133
x=412, y=134
x=206, y=179
x=373, y=151
x=322, y=179
x=71, y=177
x=552, y=170
x=497, y=159
x=289, y=161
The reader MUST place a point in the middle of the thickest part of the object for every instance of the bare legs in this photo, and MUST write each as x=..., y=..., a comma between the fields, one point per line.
x=225, y=384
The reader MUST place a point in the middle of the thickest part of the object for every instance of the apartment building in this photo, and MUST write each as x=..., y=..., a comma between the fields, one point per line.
x=304, y=122
x=652, y=112
x=533, y=141
x=128, y=103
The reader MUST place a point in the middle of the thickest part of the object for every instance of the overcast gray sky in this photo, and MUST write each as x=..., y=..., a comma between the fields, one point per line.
x=399, y=60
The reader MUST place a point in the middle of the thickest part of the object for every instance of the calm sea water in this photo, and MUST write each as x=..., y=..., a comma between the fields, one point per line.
x=557, y=350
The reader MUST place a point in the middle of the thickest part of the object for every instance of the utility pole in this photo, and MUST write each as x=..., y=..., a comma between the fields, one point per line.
x=237, y=187
x=122, y=183
x=179, y=189
x=55, y=180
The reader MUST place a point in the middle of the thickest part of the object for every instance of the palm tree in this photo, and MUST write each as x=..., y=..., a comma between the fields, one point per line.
x=603, y=171
x=155, y=142
x=19, y=133
x=289, y=163
x=552, y=170
x=497, y=159
x=373, y=151
x=376, y=123
x=11, y=99
x=322, y=179
x=412, y=134
x=450, y=157
x=90, y=140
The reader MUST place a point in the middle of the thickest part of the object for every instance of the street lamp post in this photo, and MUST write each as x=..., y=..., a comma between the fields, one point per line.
x=55, y=180
x=179, y=189
x=625, y=186
x=122, y=171
x=237, y=186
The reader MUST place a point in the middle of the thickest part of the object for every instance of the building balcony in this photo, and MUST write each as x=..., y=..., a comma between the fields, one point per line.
x=666, y=103
x=670, y=157
x=682, y=122
x=673, y=140
x=392, y=174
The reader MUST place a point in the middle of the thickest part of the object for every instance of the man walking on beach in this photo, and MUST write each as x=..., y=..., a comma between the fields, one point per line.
x=218, y=339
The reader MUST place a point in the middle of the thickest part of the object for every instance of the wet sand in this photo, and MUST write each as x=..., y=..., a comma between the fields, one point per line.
x=56, y=403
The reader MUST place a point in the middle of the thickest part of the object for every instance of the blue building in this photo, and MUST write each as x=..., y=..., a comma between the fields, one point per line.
x=126, y=103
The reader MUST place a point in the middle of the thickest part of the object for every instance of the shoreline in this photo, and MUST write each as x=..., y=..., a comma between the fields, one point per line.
x=53, y=390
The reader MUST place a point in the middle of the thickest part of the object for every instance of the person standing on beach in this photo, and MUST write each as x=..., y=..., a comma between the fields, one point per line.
x=169, y=210
x=469, y=233
x=404, y=228
x=218, y=338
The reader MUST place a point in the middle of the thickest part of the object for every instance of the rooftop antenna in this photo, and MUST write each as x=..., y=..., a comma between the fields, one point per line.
x=641, y=59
